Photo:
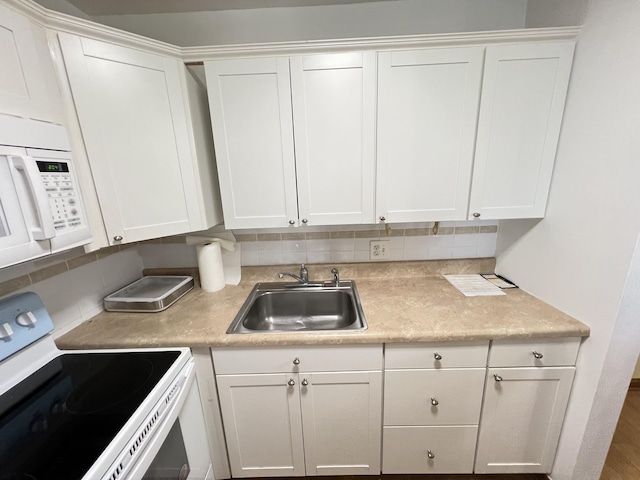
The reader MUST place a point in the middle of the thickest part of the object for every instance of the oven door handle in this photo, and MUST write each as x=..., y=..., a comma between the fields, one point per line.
x=27, y=166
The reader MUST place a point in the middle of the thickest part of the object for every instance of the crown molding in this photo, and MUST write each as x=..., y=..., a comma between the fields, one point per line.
x=69, y=24
x=405, y=42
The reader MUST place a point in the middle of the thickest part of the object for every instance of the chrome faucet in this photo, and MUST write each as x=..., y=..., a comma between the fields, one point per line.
x=303, y=278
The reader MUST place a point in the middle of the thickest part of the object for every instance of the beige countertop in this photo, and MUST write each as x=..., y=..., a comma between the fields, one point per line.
x=402, y=302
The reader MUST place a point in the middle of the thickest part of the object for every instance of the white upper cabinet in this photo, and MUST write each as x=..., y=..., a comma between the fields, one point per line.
x=521, y=108
x=427, y=112
x=334, y=125
x=250, y=104
x=23, y=88
x=294, y=139
x=136, y=128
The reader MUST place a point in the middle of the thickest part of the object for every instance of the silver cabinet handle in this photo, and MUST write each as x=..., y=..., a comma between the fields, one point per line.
x=305, y=382
x=430, y=454
x=291, y=382
x=537, y=355
x=434, y=402
x=118, y=238
x=292, y=222
x=304, y=220
x=437, y=356
x=382, y=219
x=497, y=377
x=296, y=361
x=476, y=215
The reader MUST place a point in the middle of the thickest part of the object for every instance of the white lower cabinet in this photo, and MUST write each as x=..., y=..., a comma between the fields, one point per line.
x=524, y=407
x=521, y=419
x=263, y=426
x=431, y=412
x=297, y=421
x=449, y=408
x=341, y=417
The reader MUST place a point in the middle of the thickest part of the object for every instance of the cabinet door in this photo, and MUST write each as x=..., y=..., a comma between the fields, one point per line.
x=342, y=422
x=523, y=96
x=427, y=110
x=334, y=123
x=261, y=415
x=22, y=88
x=250, y=102
x=132, y=115
x=521, y=419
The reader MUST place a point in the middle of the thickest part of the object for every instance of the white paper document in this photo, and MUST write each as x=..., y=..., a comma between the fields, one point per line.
x=473, y=285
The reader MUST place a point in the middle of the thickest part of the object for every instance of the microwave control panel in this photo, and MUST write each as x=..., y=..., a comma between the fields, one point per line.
x=63, y=193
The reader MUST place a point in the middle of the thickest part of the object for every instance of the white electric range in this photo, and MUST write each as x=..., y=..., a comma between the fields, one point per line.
x=94, y=415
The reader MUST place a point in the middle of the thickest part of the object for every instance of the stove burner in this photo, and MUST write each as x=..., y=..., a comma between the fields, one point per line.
x=129, y=375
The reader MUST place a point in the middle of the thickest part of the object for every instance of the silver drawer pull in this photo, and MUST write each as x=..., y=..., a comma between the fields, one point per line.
x=537, y=355
x=305, y=382
x=497, y=377
x=430, y=454
x=296, y=361
x=291, y=382
x=434, y=402
x=437, y=356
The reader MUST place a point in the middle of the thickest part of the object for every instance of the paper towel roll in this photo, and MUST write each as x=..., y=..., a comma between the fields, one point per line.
x=210, y=265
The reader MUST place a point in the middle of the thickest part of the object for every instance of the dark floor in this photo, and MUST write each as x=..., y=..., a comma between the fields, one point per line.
x=623, y=461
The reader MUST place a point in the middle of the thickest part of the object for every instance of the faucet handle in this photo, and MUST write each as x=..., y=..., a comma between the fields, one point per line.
x=304, y=274
x=336, y=276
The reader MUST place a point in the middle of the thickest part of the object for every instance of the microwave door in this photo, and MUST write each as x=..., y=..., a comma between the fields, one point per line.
x=17, y=243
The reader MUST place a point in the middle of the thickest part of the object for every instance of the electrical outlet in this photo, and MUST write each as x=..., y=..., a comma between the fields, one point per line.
x=379, y=249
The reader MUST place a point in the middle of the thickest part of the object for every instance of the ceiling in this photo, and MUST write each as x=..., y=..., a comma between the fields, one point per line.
x=126, y=7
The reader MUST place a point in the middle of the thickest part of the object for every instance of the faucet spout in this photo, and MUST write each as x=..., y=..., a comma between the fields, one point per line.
x=296, y=277
x=303, y=278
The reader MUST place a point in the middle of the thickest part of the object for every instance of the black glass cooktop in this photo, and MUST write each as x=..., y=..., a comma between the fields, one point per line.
x=57, y=422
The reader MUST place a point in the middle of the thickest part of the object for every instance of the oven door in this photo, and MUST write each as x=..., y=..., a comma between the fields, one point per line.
x=179, y=449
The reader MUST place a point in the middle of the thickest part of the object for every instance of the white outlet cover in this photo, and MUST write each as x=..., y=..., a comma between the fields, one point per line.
x=379, y=249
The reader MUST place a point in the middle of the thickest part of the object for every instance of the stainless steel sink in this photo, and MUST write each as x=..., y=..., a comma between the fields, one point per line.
x=294, y=307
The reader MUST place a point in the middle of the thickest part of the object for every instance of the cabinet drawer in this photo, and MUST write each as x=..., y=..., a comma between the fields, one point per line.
x=406, y=449
x=552, y=352
x=457, y=393
x=297, y=359
x=436, y=355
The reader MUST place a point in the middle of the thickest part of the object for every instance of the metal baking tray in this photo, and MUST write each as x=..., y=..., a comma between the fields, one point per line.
x=149, y=294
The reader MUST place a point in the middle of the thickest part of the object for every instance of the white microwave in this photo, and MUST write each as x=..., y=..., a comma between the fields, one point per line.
x=41, y=209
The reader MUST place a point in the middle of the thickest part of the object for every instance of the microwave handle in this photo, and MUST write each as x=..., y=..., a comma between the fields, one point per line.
x=39, y=195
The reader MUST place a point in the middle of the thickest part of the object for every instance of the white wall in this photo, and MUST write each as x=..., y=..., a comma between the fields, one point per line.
x=578, y=257
x=64, y=7
x=556, y=13
x=401, y=17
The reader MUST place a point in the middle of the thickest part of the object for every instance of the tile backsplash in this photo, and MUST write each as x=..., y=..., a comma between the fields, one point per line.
x=339, y=244
x=73, y=284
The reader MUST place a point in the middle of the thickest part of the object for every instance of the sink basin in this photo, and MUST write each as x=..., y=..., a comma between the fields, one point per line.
x=294, y=307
